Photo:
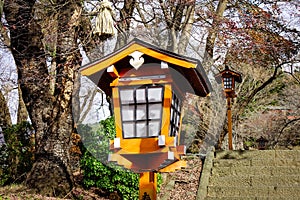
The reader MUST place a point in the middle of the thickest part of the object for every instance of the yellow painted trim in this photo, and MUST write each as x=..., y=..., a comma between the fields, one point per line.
x=87, y=71
x=168, y=59
x=114, y=83
x=137, y=150
x=120, y=160
x=117, y=112
x=180, y=126
x=175, y=166
x=140, y=145
x=117, y=82
x=166, y=111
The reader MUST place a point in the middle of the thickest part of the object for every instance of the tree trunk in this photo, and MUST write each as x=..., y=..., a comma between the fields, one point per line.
x=5, y=120
x=22, y=111
x=179, y=18
x=212, y=34
x=187, y=29
x=50, y=112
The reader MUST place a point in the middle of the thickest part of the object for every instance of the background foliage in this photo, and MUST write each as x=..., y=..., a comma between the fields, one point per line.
x=16, y=155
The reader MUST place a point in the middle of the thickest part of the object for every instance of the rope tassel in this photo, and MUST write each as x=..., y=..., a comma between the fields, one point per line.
x=104, y=21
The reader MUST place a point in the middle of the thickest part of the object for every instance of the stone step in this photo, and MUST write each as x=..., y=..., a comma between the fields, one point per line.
x=259, y=154
x=255, y=162
x=253, y=192
x=288, y=154
x=256, y=181
x=267, y=174
x=244, y=154
x=255, y=171
x=276, y=162
x=252, y=198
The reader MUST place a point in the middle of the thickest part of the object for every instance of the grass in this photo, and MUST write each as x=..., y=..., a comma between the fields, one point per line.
x=21, y=192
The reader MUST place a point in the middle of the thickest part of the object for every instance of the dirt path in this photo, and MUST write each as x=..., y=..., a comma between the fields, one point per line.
x=182, y=184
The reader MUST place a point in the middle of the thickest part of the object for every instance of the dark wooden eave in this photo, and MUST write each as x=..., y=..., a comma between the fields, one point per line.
x=190, y=68
x=237, y=76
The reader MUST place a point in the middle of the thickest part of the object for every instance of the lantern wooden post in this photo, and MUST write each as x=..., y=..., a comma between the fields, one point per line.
x=229, y=123
x=228, y=78
x=148, y=186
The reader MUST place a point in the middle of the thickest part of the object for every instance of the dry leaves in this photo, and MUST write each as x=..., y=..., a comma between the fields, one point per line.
x=182, y=184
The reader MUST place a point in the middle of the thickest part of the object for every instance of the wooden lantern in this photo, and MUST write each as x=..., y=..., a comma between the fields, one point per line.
x=228, y=78
x=147, y=86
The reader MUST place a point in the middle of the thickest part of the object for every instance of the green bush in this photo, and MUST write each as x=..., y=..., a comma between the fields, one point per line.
x=16, y=155
x=97, y=172
x=100, y=174
x=109, y=178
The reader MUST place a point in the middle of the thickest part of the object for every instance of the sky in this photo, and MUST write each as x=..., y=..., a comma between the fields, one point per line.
x=8, y=82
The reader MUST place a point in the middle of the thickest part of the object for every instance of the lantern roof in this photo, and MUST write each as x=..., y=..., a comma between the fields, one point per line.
x=237, y=76
x=190, y=68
